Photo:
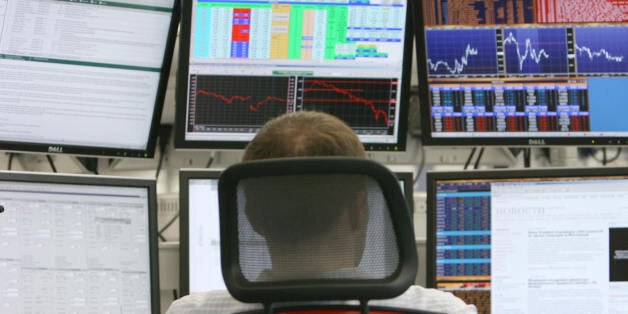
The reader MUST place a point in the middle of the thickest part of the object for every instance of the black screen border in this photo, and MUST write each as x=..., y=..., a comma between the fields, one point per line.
x=97, y=180
x=112, y=151
x=524, y=141
x=181, y=107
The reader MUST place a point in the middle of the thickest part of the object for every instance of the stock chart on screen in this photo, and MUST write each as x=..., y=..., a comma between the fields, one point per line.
x=523, y=72
x=246, y=62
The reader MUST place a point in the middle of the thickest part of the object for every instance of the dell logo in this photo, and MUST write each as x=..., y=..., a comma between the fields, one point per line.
x=536, y=142
x=55, y=149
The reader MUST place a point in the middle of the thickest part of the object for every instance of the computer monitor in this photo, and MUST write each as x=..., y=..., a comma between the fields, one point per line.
x=199, y=231
x=523, y=72
x=84, y=77
x=243, y=63
x=199, y=227
x=77, y=244
x=530, y=240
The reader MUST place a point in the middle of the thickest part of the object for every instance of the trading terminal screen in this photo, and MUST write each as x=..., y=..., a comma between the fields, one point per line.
x=526, y=241
x=84, y=77
x=200, y=228
x=77, y=244
x=530, y=72
x=243, y=63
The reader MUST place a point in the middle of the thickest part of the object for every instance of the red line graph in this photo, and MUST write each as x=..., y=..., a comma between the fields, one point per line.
x=228, y=100
x=264, y=101
x=226, y=103
x=242, y=99
x=352, y=98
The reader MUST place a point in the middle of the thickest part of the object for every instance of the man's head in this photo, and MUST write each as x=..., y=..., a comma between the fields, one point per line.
x=304, y=134
x=301, y=216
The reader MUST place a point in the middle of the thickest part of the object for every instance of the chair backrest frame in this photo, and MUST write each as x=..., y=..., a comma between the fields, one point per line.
x=308, y=290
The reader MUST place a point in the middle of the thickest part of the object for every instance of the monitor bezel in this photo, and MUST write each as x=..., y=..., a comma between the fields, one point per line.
x=497, y=174
x=112, y=151
x=530, y=140
x=99, y=180
x=181, y=107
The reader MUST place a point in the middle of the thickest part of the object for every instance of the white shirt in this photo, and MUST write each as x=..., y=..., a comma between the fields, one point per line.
x=415, y=298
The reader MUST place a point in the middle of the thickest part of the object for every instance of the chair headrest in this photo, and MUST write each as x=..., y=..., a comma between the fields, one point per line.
x=324, y=228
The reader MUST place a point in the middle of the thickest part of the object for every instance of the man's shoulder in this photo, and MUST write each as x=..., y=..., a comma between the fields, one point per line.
x=420, y=298
x=416, y=298
x=212, y=302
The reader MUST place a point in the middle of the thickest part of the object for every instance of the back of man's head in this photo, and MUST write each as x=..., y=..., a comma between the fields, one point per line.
x=292, y=213
x=304, y=134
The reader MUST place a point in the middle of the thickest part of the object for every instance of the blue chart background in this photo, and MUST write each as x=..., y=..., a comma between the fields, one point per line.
x=551, y=40
x=450, y=45
x=607, y=104
x=611, y=38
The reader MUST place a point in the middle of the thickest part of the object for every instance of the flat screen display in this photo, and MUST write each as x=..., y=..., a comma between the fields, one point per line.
x=77, y=244
x=532, y=72
x=243, y=63
x=200, y=228
x=84, y=77
x=530, y=241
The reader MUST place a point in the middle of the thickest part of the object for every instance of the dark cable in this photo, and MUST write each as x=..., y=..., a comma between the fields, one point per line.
x=164, y=138
x=166, y=226
x=616, y=155
x=159, y=162
x=421, y=166
x=526, y=157
x=466, y=164
x=90, y=164
x=547, y=154
x=592, y=155
x=210, y=161
x=605, y=160
x=364, y=307
x=52, y=164
x=9, y=166
x=477, y=161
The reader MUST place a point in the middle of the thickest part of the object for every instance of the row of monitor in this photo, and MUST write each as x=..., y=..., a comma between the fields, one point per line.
x=521, y=241
x=75, y=243
x=89, y=77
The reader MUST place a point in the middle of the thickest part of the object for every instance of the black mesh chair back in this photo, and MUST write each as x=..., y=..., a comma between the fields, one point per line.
x=314, y=229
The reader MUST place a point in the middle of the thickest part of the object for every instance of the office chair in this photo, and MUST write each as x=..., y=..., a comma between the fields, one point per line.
x=301, y=235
